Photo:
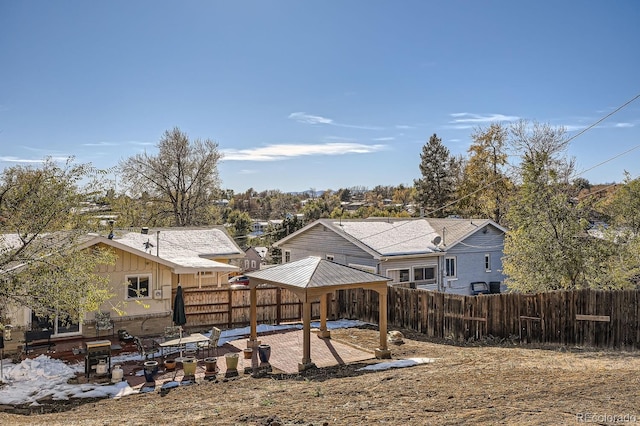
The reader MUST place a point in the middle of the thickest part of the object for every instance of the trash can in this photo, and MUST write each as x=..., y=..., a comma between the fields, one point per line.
x=494, y=287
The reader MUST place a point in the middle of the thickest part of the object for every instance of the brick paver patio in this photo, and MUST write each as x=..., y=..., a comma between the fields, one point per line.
x=286, y=351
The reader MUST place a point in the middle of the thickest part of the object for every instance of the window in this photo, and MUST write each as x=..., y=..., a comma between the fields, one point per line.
x=398, y=275
x=246, y=263
x=138, y=287
x=450, y=266
x=330, y=257
x=253, y=263
x=287, y=256
x=487, y=263
x=424, y=273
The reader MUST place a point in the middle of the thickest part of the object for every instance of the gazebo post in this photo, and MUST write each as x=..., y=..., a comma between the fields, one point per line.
x=324, y=303
x=253, y=341
x=382, y=352
x=306, y=333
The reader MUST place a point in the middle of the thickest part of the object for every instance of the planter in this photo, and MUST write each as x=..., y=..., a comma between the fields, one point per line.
x=248, y=353
x=150, y=370
x=170, y=364
x=189, y=365
x=231, y=359
x=210, y=364
x=264, y=352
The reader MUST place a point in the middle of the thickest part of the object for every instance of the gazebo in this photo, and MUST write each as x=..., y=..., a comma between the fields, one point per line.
x=314, y=278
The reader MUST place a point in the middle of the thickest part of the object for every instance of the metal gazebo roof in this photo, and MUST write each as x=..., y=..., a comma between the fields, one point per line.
x=312, y=278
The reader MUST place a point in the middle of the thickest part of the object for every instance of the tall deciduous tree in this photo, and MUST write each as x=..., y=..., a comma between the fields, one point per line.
x=435, y=189
x=485, y=186
x=547, y=246
x=42, y=226
x=621, y=269
x=181, y=180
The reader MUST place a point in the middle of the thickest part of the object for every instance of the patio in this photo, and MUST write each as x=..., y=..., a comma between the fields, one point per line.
x=286, y=350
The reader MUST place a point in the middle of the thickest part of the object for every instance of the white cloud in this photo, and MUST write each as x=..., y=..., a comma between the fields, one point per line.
x=286, y=151
x=387, y=138
x=404, y=127
x=573, y=127
x=624, y=125
x=303, y=117
x=467, y=117
x=10, y=159
x=100, y=144
x=339, y=138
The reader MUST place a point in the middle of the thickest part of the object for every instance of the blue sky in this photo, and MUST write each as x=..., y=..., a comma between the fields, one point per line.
x=315, y=94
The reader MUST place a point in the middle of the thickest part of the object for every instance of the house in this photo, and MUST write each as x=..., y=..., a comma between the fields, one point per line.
x=260, y=227
x=149, y=267
x=255, y=257
x=435, y=254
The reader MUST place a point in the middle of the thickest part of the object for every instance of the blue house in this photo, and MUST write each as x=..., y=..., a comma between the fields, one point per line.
x=436, y=254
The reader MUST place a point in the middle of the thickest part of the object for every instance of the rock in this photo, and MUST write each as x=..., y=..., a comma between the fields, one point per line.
x=395, y=337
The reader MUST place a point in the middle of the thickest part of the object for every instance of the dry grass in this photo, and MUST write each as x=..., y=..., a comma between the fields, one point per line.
x=500, y=384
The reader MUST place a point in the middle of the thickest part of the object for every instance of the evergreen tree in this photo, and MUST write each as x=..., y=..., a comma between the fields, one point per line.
x=435, y=189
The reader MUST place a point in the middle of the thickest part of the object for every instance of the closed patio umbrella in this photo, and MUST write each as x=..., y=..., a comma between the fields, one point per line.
x=179, y=314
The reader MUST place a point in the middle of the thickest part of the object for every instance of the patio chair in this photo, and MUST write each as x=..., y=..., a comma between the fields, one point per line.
x=212, y=343
x=104, y=322
x=144, y=350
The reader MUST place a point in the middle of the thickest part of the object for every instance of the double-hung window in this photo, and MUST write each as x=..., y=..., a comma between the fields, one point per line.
x=138, y=287
x=450, y=266
x=287, y=256
x=487, y=262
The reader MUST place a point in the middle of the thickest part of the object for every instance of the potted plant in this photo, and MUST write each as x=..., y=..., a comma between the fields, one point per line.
x=210, y=364
x=189, y=365
x=170, y=364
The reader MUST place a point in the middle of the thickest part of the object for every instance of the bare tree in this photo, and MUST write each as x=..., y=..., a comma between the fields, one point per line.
x=182, y=178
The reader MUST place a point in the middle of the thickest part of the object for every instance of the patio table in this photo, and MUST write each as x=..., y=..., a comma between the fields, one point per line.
x=182, y=342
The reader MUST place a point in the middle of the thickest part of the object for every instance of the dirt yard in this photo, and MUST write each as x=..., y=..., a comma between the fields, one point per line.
x=500, y=383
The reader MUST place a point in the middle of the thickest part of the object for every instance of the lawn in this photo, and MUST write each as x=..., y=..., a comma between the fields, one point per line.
x=501, y=383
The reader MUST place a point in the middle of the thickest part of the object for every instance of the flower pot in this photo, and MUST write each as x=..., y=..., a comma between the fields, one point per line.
x=264, y=352
x=150, y=370
x=231, y=360
x=189, y=365
x=248, y=353
x=210, y=364
x=169, y=364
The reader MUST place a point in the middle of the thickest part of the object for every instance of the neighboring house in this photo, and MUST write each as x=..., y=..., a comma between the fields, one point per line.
x=436, y=254
x=255, y=257
x=148, y=270
x=259, y=227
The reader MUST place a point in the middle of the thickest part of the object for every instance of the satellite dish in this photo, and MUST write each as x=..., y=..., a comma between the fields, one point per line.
x=436, y=240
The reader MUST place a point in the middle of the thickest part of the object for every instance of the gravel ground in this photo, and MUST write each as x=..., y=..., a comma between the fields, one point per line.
x=484, y=383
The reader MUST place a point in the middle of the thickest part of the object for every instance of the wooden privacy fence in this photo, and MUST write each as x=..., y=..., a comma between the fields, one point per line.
x=586, y=317
x=579, y=317
x=223, y=307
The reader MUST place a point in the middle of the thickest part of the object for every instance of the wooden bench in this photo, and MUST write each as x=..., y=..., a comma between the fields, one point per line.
x=36, y=339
